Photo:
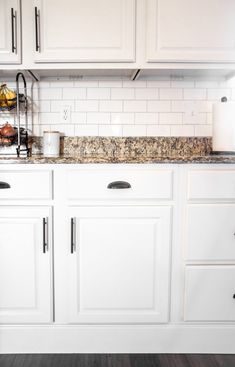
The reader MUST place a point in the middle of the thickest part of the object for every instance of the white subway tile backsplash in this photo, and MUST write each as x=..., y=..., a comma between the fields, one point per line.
x=110, y=130
x=134, y=130
x=170, y=118
x=50, y=93
x=158, y=83
x=134, y=106
x=98, y=93
x=122, y=93
x=74, y=93
x=43, y=106
x=171, y=93
x=194, y=94
x=78, y=117
x=87, y=106
x=134, y=84
x=182, y=83
x=217, y=94
x=110, y=84
x=86, y=130
x=123, y=118
x=146, y=93
x=146, y=118
x=120, y=107
x=86, y=83
x=98, y=118
x=182, y=130
x=57, y=105
x=203, y=130
x=206, y=84
x=194, y=118
x=110, y=106
x=48, y=118
x=191, y=106
x=159, y=106
x=233, y=94
x=158, y=130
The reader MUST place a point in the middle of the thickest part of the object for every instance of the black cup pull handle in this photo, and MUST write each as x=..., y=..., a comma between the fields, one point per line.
x=4, y=185
x=119, y=185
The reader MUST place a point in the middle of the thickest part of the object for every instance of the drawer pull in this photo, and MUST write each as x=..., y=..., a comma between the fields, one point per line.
x=119, y=185
x=45, y=235
x=4, y=185
x=234, y=296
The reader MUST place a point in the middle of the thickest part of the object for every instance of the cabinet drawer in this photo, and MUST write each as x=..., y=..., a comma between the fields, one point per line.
x=210, y=232
x=144, y=184
x=26, y=184
x=211, y=184
x=209, y=293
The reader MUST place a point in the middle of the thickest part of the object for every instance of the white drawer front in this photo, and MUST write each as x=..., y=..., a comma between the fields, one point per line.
x=145, y=184
x=210, y=232
x=209, y=293
x=211, y=184
x=26, y=185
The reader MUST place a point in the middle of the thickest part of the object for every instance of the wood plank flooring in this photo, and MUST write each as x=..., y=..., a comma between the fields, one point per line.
x=117, y=360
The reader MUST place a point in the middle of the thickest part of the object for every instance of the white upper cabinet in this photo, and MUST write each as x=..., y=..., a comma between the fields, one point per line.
x=10, y=32
x=84, y=31
x=191, y=30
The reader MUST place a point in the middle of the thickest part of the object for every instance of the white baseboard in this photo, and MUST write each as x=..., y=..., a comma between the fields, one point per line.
x=117, y=339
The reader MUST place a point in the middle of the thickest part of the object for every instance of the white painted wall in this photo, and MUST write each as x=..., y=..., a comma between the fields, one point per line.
x=163, y=107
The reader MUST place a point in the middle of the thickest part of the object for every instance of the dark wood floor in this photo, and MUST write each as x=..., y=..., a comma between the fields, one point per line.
x=116, y=360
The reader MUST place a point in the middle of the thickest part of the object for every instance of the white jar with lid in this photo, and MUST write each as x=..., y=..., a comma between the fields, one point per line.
x=51, y=143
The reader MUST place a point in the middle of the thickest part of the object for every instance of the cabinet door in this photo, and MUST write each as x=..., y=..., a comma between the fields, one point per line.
x=119, y=270
x=25, y=269
x=10, y=28
x=85, y=30
x=210, y=232
x=210, y=293
x=190, y=30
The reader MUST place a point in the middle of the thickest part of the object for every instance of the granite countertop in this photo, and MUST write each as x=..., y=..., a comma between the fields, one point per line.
x=230, y=159
x=159, y=150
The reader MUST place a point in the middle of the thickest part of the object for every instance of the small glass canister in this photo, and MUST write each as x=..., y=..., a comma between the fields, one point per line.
x=51, y=143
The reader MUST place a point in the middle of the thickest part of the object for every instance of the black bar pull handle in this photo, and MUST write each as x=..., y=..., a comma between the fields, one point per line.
x=45, y=235
x=13, y=22
x=4, y=185
x=36, y=15
x=119, y=185
x=72, y=245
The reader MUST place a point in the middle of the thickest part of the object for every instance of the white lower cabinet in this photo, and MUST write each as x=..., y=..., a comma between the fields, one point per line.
x=119, y=264
x=133, y=267
x=209, y=229
x=210, y=293
x=25, y=265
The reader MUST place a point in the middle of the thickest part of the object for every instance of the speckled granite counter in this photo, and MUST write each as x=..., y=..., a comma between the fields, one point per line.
x=229, y=159
x=84, y=150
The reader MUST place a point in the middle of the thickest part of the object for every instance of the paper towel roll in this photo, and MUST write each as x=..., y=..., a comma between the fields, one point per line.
x=223, y=139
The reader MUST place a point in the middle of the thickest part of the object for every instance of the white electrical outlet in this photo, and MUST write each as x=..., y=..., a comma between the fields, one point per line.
x=65, y=115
